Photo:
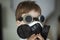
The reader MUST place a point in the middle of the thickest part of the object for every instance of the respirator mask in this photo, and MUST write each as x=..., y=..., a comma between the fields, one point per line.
x=33, y=26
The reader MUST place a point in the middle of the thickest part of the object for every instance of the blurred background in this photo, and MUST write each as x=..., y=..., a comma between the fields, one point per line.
x=50, y=10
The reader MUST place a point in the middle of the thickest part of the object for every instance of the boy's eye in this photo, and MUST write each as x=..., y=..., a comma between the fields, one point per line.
x=35, y=19
x=20, y=19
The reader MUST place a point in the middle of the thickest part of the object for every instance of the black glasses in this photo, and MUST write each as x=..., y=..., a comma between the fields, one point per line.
x=28, y=18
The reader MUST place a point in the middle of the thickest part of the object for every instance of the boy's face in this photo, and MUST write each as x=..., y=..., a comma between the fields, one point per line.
x=33, y=13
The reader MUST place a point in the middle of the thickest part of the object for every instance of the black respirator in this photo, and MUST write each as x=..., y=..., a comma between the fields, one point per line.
x=33, y=26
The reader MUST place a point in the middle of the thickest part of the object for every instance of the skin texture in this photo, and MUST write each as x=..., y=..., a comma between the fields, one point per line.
x=33, y=13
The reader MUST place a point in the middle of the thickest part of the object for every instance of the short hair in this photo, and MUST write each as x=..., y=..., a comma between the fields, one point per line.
x=25, y=7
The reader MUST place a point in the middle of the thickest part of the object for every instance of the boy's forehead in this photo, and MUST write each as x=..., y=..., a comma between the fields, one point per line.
x=33, y=13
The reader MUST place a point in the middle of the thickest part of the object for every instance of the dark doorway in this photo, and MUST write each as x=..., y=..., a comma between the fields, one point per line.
x=0, y=22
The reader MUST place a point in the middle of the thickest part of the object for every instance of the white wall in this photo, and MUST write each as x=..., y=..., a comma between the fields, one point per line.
x=53, y=21
x=53, y=27
x=0, y=1
x=9, y=23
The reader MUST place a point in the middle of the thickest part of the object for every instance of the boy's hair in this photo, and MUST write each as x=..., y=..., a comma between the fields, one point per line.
x=25, y=7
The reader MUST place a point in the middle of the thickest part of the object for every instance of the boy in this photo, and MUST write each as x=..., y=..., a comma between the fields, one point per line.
x=30, y=8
